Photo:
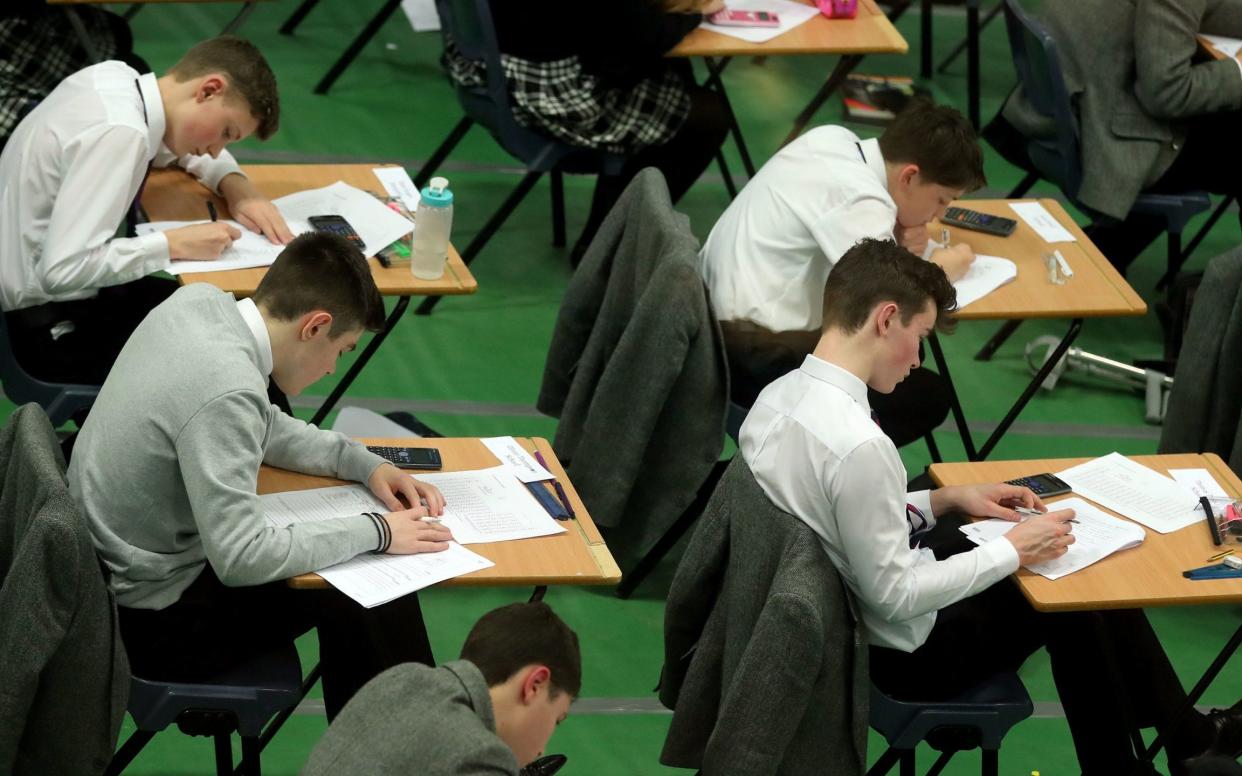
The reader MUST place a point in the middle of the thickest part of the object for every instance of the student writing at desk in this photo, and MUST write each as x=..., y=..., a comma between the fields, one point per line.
x=766, y=259
x=938, y=621
x=165, y=471
x=72, y=290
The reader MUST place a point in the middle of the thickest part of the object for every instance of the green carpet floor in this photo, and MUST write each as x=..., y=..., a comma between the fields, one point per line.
x=395, y=105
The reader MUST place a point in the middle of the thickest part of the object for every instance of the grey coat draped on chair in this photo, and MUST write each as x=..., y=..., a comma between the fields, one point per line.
x=765, y=667
x=64, y=677
x=636, y=371
x=1205, y=406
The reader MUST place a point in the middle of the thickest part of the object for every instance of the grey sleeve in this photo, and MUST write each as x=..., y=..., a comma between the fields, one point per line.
x=219, y=451
x=1167, y=84
x=301, y=447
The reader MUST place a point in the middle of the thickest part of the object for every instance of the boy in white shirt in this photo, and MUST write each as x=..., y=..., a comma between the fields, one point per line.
x=71, y=288
x=766, y=260
x=938, y=623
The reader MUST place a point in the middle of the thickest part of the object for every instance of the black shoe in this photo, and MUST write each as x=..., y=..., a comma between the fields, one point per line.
x=1226, y=731
x=546, y=765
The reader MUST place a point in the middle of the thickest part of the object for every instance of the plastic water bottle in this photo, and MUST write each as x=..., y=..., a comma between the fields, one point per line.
x=432, y=223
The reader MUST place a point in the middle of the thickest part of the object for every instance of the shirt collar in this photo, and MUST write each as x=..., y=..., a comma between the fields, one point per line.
x=875, y=159
x=254, y=321
x=819, y=369
x=149, y=87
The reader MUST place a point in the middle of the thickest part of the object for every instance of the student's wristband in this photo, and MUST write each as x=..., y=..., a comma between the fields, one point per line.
x=382, y=529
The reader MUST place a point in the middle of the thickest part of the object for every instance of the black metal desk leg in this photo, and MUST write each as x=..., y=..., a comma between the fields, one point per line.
x=293, y=21
x=972, y=61
x=363, y=358
x=84, y=37
x=1020, y=404
x=844, y=67
x=232, y=27
x=538, y=593
x=356, y=47
x=955, y=403
x=714, y=70
x=925, y=26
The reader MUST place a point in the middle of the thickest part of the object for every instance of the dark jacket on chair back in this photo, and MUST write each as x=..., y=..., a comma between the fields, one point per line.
x=64, y=678
x=765, y=667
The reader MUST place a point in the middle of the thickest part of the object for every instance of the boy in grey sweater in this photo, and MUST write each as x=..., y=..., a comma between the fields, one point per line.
x=166, y=468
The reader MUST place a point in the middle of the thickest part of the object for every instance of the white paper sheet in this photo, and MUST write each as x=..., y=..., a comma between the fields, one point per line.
x=422, y=15
x=1044, y=223
x=249, y=250
x=1225, y=45
x=789, y=14
x=370, y=580
x=1199, y=481
x=490, y=505
x=986, y=274
x=1097, y=535
x=398, y=183
x=1135, y=491
x=514, y=457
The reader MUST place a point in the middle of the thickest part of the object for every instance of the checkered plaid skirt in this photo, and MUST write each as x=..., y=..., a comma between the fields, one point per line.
x=560, y=99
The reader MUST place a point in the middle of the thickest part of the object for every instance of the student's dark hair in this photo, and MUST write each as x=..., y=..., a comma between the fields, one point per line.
x=875, y=271
x=247, y=71
x=940, y=141
x=507, y=639
x=322, y=271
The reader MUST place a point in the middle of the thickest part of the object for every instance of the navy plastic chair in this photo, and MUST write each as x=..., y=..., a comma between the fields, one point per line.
x=59, y=400
x=242, y=700
x=1058, y=158
x=976, y=719
x=469, y=24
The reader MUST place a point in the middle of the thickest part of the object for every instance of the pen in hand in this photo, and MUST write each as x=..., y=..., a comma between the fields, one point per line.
x=211, y=211
x=1035, y=513
x=944, y=237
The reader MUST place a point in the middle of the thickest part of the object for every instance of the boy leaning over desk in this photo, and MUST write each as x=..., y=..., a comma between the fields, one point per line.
x=73, y=286
x=166, y=466
x=937, y=621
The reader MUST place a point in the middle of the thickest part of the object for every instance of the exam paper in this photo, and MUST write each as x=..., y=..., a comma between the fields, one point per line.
x=1225, y=45
x=490, y=505
x=1199, y=481
x=986, y=274
x=370, y=580
x=249, y=250
x=1135, y=491
x=1097, y=535
x=1044, y=223
x=515, y=458
x=790, y=15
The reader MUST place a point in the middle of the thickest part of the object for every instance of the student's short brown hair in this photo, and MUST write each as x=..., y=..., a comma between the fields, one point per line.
x=506, y=640
x=876, y=271
x=940, y=141
x=322, y=271
x=247, y=71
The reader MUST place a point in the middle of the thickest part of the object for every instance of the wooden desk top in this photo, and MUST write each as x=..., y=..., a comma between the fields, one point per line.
x=576, y=557
x=868, y=33
x=1097, y=290
x=1147, y=575
x=174, y=195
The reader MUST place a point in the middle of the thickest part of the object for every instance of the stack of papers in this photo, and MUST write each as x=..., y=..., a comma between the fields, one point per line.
x=1135, y=491
x=375, y=223
x=1097, y=535
x=986, y=274
x=790, y=15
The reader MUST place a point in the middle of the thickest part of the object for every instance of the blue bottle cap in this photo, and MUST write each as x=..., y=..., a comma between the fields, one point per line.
x=437, y=194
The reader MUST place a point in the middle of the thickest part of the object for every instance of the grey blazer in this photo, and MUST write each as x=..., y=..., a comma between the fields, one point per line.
x=64, y=677
x=1205, y=407
x=413, y=719
x=636, y=371
x=1127, y=65
x=765, y=667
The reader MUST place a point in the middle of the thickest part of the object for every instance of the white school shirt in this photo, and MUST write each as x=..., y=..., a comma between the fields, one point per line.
x=817, y=454
x=769, y=255
x=68, y=176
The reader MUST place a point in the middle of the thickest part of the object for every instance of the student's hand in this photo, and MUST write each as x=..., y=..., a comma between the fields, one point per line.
x=200, y=242
x=253, y=210
x=1042, y=538
x=913, y=239
x=992, y=500
x=712, y=7
x=954, y=260
x=399, y=490
x=411, y=535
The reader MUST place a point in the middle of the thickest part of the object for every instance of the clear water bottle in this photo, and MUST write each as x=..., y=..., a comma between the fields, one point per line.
x=432, y=223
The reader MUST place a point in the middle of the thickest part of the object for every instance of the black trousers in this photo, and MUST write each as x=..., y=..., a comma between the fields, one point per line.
x=996, y=630
x=102, y=325
x=682, y=160
x=756, y=357
x=212, y=628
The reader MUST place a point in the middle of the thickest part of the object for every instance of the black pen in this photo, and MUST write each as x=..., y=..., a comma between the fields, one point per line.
x=211, y=210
